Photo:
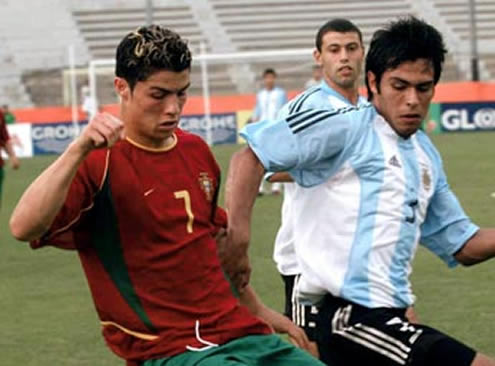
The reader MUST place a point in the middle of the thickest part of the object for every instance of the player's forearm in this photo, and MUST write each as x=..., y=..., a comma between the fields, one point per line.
x=44, y=198
x=277, y=321
x=243, y=180
x=479, y=248
x=250, y=300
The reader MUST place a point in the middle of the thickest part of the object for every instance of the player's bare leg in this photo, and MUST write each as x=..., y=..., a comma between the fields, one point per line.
x=482, y=360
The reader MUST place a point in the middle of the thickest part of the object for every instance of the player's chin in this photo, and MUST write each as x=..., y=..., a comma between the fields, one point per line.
x=406, y=131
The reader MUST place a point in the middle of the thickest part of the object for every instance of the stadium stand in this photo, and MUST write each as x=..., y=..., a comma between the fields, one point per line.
x=272, y=24
x=456, y=14
x=103, y=24
x=36, y=38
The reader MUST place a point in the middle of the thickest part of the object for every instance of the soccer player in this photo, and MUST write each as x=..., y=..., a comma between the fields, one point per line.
x=339, y=54
x=137, y=199
x=371, y=188
x=6, y=144
x=269, y=101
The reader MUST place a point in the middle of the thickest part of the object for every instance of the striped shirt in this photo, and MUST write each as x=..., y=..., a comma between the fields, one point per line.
x=321, y=96
x=365, y=198
x=269, y=103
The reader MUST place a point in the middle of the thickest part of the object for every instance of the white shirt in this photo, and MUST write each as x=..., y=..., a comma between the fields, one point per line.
x=284, y=253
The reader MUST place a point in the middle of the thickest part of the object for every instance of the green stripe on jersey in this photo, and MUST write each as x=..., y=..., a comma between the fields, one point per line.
x=106, y=239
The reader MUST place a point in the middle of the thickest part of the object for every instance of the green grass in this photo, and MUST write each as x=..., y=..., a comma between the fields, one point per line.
x=47, y=316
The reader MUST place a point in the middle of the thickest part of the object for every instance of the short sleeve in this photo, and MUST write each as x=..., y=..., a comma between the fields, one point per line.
x=66, y=229
x=301, y=140
x=446, y=227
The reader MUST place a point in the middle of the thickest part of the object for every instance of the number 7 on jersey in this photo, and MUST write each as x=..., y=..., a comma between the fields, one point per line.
x=187, y=205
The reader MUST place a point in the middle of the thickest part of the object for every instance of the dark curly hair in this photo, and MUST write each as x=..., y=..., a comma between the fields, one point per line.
x=407, y=39
x=150, y=49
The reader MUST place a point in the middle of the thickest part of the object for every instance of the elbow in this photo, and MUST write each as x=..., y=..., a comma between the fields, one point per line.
x=20, y=231
x=17, y=230
x=468, y=262
x=467, y=259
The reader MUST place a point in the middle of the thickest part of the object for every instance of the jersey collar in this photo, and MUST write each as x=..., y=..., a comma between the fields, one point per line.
x=152, y=149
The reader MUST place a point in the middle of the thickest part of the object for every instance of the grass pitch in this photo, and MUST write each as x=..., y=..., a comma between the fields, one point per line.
x=47, y=315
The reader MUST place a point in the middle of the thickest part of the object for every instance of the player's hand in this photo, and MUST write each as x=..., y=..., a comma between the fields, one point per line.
x=235, y=261
x=14, y=162
x=283, y=325
x=411, y=315
x=103, y=130
x=298, y=338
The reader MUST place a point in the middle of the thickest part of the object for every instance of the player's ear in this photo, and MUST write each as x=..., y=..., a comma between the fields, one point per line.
x=372, y=82
x=122, y=88
x=317, y=56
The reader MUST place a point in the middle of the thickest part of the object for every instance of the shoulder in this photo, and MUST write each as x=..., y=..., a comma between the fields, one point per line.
x=94, y=168
x=193, y=145
x=427, y=145
x=190, y=139
x=306, y=99
x=98, y=158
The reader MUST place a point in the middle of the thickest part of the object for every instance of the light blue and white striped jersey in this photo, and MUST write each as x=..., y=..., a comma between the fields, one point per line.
x=366, y=197
x=269, y=103
x=321, y=96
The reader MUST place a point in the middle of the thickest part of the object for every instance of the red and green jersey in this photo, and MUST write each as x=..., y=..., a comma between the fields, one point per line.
x=142, y=222
x=4, y=136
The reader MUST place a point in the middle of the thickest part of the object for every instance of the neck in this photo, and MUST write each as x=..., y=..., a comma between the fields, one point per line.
x=149, y=145
x=351, y=93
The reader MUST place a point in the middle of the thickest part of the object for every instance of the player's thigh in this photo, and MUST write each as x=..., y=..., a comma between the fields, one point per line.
x=277, y=352
x=384, y=337
x=482, y=360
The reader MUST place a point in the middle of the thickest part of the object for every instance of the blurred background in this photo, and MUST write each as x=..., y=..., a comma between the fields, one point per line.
x=36, y=37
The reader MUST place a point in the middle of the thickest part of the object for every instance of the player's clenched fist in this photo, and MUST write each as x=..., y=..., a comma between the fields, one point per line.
x=103, y=130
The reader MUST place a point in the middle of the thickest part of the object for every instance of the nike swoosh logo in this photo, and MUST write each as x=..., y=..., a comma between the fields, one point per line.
x=149, y=191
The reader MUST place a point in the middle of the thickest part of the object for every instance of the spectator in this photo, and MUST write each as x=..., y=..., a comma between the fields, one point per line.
x=8, y=115
x=269, y=101
x=316, y=76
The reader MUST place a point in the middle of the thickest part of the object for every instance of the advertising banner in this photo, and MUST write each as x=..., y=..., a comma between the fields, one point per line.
x=457, y=117
x=243, y=117
x=53, y=138
x=20, y=135
x=223, y=127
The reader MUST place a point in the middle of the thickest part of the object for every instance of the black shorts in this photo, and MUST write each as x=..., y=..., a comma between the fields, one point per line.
x=350, y=334
x=303, y=316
